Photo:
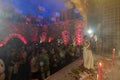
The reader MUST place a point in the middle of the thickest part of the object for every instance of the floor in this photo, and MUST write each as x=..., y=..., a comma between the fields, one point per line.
x=110, y=71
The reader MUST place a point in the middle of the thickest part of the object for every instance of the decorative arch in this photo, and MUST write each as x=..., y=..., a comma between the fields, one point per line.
x=19, y=36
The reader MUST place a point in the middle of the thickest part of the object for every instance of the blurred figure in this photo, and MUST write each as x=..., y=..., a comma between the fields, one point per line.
x=44, y=63
x=94, y=42
x=62, y=55
x=87, y=56
x=70, y=54
x=15, y=68
x=34, y=67
x=54, y=61
x=2, y=70
x=24, y=68
x=13, y=64
x=78, y=51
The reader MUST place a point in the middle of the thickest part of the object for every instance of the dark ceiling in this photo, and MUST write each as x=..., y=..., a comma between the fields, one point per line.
x=36, y=7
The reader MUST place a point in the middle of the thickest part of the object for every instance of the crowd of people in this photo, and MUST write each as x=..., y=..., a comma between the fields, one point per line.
x=37, y=61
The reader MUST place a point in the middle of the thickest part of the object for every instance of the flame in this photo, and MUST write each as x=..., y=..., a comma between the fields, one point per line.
x=100, y=64
x=97, y=77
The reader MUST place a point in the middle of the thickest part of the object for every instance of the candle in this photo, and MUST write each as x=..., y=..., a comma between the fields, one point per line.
x=100, y=71
x=113, y=55
x=97, y=77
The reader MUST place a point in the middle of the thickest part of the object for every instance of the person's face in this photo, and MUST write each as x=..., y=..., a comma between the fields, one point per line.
x=44, y=51
x=53, y=51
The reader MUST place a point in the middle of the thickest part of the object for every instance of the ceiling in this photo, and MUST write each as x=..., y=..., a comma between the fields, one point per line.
x=36, y=7
x=40, y=8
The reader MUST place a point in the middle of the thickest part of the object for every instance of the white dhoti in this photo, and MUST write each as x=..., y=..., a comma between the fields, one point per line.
x=88, y=59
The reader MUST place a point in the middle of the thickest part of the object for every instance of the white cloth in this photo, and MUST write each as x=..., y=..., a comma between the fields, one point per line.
x=88, y=59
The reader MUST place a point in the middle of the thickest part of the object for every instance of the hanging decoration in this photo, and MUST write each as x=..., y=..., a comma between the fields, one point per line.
x=79, y=37
x=79, y=24
x=79, y=32
x=43, y=37
x=22, y=38
x=34, y=34
x=66, y=37
x=50, y=39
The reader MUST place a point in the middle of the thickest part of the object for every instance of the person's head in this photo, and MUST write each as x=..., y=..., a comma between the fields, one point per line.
x=52, y=50
x=32, y=53
x=86, y=42
x=43, y=50
x=12, y=52
x=2, y=66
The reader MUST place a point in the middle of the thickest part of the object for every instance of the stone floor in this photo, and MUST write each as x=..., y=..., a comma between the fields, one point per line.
x=110, y=71
x=65, y=73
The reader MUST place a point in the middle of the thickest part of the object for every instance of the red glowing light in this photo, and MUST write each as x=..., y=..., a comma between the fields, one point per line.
x=78, y=37
x=65, y=37
x=50, y=39
x=13, y=35
x=1, y=44
x=43, y=37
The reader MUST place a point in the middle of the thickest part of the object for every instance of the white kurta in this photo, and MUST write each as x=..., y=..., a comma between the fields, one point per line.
x=88, y=59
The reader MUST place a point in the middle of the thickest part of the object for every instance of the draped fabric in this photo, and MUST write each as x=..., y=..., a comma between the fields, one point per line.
x=88, y=59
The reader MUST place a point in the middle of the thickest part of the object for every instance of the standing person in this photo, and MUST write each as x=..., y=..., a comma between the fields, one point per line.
x=24, y=68
x=54, y=61
x=70, y=54
x=78, y=51
x=12, y=65
x=44, y=63
x=87, y=56
x=2, y=70
x=34, y=67
x=15, y=68
x=94, y=42
x=62, y=54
